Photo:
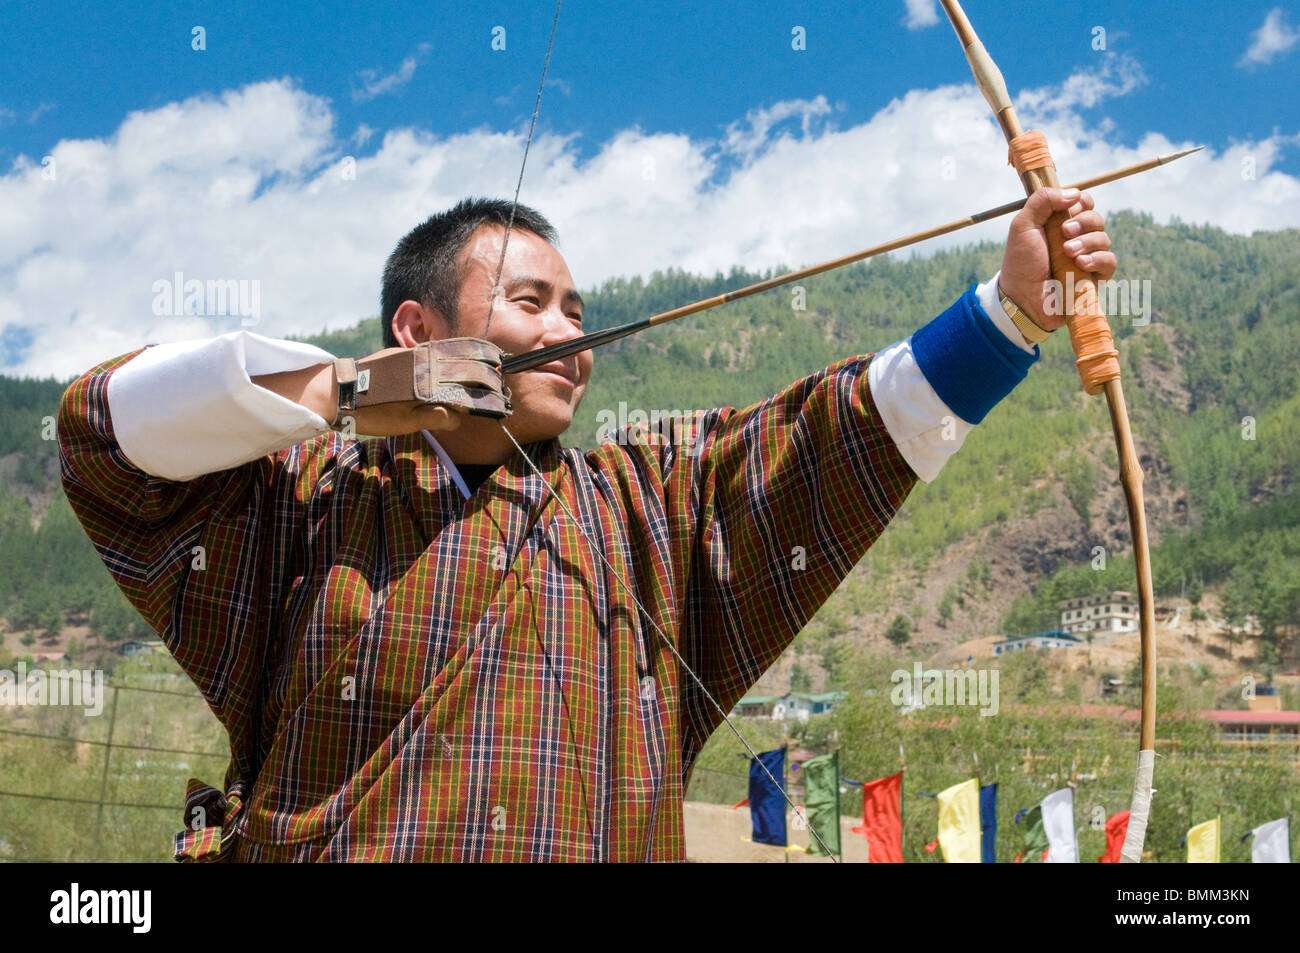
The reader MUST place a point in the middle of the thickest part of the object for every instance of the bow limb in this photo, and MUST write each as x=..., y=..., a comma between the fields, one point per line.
x=1098, y=364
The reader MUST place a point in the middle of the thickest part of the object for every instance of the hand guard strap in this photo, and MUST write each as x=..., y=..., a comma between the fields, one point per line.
x=463, y=373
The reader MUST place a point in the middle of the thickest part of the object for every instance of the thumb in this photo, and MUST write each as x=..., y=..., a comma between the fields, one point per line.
x=440, y=419
x=1043, y=203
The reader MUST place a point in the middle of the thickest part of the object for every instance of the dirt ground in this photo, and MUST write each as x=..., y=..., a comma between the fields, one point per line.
x=716, y=834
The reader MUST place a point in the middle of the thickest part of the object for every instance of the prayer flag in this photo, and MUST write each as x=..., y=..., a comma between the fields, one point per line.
x=766, y=800
x=882, y=821
x=1272, y=843
x=1035, y=837
x=959, y=823
x=821, y=779
x=989, y=823
x=1058, y=822
x=1116, y=828
x=1203, y=843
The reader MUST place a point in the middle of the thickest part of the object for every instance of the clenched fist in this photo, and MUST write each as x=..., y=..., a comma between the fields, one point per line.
x=1026, y=269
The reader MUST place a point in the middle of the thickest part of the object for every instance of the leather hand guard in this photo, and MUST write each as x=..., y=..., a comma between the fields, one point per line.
x=463, y=373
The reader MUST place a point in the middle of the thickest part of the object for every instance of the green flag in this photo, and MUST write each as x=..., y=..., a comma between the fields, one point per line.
x=821, y=785
x=1035, y=836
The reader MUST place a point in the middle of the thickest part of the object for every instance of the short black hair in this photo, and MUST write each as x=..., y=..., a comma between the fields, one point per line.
x=423, y=265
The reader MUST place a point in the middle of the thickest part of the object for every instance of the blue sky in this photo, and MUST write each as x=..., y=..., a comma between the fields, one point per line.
x=671, y=135
x=75, y=70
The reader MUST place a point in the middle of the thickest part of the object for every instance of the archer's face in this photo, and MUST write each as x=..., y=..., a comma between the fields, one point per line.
x=538, y=306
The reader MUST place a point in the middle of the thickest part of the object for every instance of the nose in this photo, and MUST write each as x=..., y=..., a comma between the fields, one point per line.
x=559, y=327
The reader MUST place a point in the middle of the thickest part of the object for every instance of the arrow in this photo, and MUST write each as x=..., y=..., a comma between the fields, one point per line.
x=527, y=361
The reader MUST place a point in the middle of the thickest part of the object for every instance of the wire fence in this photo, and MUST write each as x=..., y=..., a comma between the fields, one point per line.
x=109, y=785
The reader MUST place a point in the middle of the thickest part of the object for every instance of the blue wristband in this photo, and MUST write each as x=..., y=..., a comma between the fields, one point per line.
x=969, y=362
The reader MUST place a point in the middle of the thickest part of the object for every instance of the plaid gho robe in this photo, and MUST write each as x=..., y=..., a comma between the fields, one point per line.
x=406, y=675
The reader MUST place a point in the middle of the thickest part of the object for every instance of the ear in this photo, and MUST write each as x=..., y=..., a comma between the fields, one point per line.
x=414, y=323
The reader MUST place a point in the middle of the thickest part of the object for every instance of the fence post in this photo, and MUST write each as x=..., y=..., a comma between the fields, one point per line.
x=103, y=781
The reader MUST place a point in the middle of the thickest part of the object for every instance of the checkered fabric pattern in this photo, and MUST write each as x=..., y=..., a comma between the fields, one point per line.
x=407, y=675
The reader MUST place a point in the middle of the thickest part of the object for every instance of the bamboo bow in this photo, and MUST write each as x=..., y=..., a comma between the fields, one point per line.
x=1099, y=367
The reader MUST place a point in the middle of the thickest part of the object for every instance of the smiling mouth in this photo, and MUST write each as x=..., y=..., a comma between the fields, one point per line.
x=551, y=371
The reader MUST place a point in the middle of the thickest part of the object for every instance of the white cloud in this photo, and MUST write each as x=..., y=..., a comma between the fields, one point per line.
x=746, y=137
x=8, y=115
x=1116, y=75
x=362, y=135
x=374, y=83
x=253, y=185
x=920, y=13
x=1273, y=38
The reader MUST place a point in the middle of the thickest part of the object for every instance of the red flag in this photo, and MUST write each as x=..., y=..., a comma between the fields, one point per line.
x=881, y=821
x=1020, y=856
x=740, y=804
x=1116, y=828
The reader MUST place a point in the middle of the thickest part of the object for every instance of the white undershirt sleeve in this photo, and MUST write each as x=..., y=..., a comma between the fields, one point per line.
x=184, y=409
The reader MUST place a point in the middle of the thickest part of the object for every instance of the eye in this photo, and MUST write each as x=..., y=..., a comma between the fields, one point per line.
x=533, y=299
x=575, y=316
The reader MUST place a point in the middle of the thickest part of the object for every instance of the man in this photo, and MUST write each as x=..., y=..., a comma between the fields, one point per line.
x=417, y=654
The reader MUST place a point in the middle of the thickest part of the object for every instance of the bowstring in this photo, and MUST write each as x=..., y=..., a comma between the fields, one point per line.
x=496, y=286
x=667, y=641
x=528, y=142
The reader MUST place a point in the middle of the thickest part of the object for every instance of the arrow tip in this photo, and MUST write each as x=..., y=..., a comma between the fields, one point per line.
x=1178, y=155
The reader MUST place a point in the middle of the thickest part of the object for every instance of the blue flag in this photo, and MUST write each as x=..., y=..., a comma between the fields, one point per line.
x=766, y=800
x=988, y=823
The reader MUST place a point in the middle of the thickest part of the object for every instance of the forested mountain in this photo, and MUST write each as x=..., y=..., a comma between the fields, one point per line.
x=1213, y=385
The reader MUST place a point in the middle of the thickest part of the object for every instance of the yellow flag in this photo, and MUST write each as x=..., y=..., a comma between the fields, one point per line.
x=959, y=823
x=1203, y=843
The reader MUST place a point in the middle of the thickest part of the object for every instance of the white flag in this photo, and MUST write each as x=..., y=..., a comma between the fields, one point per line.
x=1058, y=823
x=1272, y=843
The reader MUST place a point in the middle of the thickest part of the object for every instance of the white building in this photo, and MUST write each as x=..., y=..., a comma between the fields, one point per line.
x=793, y=706
x=1043, y=640
x=1107, y=613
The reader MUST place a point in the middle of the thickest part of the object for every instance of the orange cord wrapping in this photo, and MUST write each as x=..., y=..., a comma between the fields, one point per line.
x=1095, y=355
x=1029, y=151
